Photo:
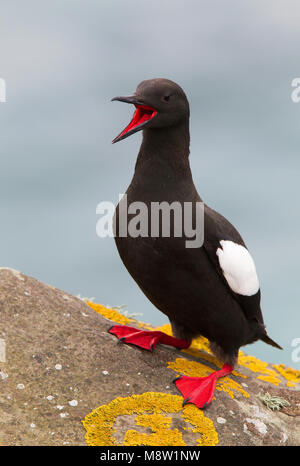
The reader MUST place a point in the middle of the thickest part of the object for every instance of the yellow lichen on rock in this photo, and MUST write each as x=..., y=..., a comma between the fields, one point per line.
x=190, y=368
x=197, y=369
x=292, y=376
x=200, y=343
x=201, y=424
x=260, y=367
x=150, y=415
x=162, y=433
x=200, y=348
x=111, y=314
x=151, y=411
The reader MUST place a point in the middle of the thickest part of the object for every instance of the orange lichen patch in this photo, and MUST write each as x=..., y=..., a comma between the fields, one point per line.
x=151, y=411
x=166, y=328
x=197, y=369
x=109, y=313
x=190, y=368
x=201, y=424
x=269, y=379
x=116, y=316
x=200, y=348
x=258, y=366
x=292, y=376
x=161, y=428
x=200, y=343
x=145, y=326
x=290, y=384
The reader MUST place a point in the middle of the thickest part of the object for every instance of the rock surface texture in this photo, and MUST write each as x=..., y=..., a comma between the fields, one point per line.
x=65, y=381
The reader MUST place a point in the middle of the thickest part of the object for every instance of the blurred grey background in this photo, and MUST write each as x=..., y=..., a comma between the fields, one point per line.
x=62, y=62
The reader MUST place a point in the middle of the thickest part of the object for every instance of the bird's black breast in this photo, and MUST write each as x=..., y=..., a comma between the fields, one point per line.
x=183, y=284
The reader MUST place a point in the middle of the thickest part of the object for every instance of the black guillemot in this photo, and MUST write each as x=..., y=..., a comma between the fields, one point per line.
x=212, y=290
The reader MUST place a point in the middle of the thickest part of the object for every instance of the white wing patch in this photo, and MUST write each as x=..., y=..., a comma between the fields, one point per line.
x=238, y=268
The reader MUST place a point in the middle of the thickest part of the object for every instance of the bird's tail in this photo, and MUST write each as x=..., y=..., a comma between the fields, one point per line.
x=269, y=341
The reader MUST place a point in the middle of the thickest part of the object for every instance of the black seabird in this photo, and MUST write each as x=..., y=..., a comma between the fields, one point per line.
x=212, y=290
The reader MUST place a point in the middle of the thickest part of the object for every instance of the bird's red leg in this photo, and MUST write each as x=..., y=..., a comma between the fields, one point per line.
x=200, y=390
x=146, y=339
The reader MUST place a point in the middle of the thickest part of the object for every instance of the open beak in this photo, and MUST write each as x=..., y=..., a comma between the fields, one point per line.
x=142, y=115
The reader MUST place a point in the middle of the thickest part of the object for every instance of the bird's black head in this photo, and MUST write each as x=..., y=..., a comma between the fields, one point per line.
x=159, y=103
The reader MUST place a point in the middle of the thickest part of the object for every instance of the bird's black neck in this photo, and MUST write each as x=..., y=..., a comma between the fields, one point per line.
x=165, y=149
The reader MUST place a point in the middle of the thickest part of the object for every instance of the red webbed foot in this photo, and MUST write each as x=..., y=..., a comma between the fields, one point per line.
x=146, y=339
x=200, y=390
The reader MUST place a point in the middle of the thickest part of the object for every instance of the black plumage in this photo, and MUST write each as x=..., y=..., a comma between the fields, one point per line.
x=186, y=284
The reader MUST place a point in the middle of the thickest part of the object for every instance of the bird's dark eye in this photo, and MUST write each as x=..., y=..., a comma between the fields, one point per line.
x=166, y=98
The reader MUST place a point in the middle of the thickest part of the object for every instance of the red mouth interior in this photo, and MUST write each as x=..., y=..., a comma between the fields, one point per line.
x=143, y=113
